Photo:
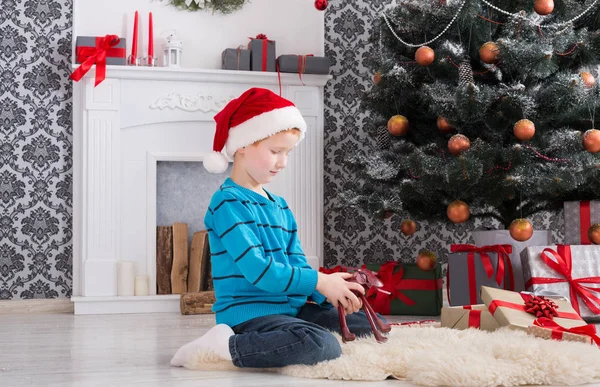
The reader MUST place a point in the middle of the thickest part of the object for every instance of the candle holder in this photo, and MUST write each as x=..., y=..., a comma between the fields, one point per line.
x=149, y=61
x=133, y=61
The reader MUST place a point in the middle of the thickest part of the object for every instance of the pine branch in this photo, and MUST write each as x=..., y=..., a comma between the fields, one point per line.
x=489, y=214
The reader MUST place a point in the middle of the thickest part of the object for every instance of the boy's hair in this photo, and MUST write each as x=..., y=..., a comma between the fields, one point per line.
x=293, y=130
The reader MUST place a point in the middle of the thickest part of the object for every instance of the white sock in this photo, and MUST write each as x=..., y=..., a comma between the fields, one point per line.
x=215, y=340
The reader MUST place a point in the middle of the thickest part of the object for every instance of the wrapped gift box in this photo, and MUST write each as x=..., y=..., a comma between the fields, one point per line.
x=303, y=64
x=468, y=316
x=470, y=267
x=579, y=216
x=569, y=271
x=412, y=291
x=85, y=46
x=262, y=54
x=235, y=59
x=546, y=333
x=509, y=309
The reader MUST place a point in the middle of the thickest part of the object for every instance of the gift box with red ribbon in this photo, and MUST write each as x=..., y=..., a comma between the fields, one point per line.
x=303, y=64
x=99, y=51
x=524, y=310
x=579, y=217
x=468, y=316
x=408, y=290
x=235, y=59
x=569, y=271
x=470, y=267
x=262, y=53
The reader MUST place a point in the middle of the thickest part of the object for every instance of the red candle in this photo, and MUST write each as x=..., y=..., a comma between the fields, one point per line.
x=135, y=36
x=150, y=37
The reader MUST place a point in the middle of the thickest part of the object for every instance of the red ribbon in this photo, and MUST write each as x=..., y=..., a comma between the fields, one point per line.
x=336, y=269
x=558, y=330
x=394, y=284
x=88, y=56
x=495, y=304
x=474, y=317
x=503, y=260
x=585, y=221
x=563, y=266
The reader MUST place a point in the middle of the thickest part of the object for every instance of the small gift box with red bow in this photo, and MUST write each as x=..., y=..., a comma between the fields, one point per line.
x=524, y=310
x=99, y=51
x=87, y=46
x=407, y=290
x=303, y=64
x=579, y=217
x=262, y=53
x=470, y=267
x=569, y=271
x=468, y=316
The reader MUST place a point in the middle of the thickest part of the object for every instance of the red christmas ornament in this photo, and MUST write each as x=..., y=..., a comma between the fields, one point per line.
x=540, y=306
x=321, y=5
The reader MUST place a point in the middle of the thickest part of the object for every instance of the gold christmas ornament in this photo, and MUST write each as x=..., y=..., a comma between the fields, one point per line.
x=524, y=130
x=408, y=227
x=424, y=56
x=521, y=229
x=543, y=7
x=588, y=79
x=489, y=52
x=398, y=125
x=591, y=140
x=458, y=211
x=594, y=234
x=458, y=143
x=443, y=125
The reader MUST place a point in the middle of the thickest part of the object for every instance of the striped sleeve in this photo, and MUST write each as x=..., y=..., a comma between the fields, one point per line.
x=235, y=225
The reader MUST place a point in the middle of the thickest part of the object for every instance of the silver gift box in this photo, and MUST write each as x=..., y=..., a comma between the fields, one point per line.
x=572, y=212
x=585, y=263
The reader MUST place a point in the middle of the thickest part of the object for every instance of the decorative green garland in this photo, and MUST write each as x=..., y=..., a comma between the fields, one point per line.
x=222, y=6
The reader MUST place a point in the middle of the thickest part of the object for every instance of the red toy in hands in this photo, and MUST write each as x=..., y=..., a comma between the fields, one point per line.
x=367, y=279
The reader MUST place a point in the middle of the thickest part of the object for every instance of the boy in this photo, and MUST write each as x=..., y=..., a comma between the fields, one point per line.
x=261, y=277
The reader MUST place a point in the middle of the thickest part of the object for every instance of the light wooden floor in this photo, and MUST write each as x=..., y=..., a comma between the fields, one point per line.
x=120, y=350
x=117, y=350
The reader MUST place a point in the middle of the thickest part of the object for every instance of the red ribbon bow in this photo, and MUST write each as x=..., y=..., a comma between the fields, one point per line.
x=562, y=264
x=495, y=304
x=504, y=263
x=88, y=56
x=540, y=306
x=394, y=284
x=558, y=330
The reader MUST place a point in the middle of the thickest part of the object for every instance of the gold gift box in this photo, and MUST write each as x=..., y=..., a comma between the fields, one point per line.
x=457, y=317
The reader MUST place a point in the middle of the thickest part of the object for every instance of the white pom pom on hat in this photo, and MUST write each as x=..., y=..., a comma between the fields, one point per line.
x=253, y=116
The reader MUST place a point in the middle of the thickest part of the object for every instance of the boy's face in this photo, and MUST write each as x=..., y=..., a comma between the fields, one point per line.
x=265, y=159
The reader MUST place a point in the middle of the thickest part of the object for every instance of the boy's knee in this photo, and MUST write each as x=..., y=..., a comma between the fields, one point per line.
x=328, y=348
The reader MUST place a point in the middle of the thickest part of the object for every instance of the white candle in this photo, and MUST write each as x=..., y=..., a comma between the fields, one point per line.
x=141, y=285
x=126, y=275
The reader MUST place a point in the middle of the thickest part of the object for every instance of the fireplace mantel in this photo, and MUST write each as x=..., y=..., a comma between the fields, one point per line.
x=138, y=116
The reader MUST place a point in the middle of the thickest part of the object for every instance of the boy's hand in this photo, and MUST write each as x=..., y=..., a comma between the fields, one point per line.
x=339, y=291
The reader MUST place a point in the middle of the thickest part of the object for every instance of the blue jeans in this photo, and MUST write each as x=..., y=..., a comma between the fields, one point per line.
x=279, y=341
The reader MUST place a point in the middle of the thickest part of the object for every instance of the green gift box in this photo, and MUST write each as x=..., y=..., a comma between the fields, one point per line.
x=412, y=291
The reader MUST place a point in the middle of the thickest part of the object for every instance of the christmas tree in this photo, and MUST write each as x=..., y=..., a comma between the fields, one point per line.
x=482, y=109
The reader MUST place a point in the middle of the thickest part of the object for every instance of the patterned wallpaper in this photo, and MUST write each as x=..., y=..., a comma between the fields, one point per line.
x=351, y=236
x=35, y=149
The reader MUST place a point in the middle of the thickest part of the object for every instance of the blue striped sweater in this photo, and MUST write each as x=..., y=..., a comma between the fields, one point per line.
x=258, y=265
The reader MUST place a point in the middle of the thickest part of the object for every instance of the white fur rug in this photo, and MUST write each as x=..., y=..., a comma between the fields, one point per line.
x=431, y=356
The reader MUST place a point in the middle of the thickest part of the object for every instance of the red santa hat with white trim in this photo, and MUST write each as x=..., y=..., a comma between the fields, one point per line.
x=253, y=116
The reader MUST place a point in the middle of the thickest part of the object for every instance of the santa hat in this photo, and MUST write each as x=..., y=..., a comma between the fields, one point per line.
x=253, y=116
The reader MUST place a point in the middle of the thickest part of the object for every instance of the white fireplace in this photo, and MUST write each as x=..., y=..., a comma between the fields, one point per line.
x=140, y=116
